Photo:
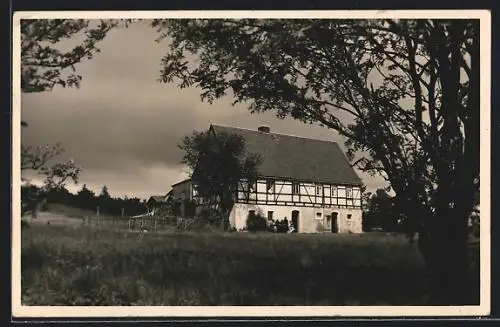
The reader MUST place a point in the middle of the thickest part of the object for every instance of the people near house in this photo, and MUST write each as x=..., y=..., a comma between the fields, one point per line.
x=279, y=226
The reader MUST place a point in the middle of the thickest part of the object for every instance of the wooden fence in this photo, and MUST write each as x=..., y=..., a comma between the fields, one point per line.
x=131, y=223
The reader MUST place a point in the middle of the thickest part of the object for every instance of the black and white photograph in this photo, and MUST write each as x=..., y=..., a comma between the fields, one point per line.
x=212, y=163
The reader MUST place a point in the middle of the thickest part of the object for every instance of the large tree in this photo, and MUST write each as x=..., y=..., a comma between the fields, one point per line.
x=218, y=162
x=380, y=212
x=404, y=94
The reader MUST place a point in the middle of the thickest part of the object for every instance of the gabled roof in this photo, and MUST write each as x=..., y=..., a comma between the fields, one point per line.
x=157, y=198
x=181, y=182
x=294, y=157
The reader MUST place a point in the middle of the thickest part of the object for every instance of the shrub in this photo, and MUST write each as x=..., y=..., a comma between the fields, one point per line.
x=189, y=208
x=256, y=222
x=44, y=206
x=210, y=216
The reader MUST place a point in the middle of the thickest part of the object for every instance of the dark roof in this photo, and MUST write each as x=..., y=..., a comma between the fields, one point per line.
x=294, y=157
x=183, y=181
x=157, y=198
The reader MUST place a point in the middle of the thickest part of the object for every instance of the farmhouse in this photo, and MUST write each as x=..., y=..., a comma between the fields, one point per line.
x=157, y=201
x=308, y=181
x=181, y=194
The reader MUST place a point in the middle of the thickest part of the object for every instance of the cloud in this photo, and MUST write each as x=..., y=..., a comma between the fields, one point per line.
x=122, y=126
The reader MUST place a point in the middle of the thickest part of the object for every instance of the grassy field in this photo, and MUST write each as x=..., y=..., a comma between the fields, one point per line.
x=63, y=265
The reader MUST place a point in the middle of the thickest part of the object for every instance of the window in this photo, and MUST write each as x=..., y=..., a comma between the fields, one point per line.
x=348, y=192
x=349, y=216
x=253, y=186
x=295, y=188
x=319, y=190
x=334, y=191
x=270, y=185
x=270, y=215
x=319, y=215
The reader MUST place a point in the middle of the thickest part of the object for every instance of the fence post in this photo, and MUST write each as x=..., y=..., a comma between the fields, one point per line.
x=97, y=218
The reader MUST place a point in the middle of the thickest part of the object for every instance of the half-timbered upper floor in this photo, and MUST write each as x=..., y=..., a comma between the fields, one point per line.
x=298, y=193
x=271, y=191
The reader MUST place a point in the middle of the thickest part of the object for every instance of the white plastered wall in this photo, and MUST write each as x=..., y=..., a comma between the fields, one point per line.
x=311, y=220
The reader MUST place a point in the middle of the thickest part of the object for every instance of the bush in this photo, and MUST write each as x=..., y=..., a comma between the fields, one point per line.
x=189, y=208
x=44, y=206
x=210, y=216
x=256, y=222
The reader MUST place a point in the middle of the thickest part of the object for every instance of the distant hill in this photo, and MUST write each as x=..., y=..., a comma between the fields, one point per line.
x=73, y=212
x=61, y=214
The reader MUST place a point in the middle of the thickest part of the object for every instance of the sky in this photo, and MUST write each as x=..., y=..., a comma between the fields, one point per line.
x=122, y=126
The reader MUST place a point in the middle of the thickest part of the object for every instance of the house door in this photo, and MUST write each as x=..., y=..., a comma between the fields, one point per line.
x=295, y=220
x=335, y=222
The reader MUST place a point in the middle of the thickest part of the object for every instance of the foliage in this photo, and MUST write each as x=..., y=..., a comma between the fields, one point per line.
x=256, y=222
x=380, y=212
x=176, y=208
x=409, y=87
x=35, y=159
x=31, y=198
x=218, y=163
x=474, y=228
x=189, y=207
x=58, y=173
x=104, y=192
x=66, y=266
x=44, y=62
x=86, y=199
x=210, y=216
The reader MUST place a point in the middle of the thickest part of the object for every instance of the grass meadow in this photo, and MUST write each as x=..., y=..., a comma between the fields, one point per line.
x=73, y=265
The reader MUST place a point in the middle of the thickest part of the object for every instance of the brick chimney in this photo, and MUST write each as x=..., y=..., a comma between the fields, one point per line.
x=264, y=129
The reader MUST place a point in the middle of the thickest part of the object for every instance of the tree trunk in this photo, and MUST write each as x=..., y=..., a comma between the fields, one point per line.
x=225, y=206
x=224, y=213
x=444, y=247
